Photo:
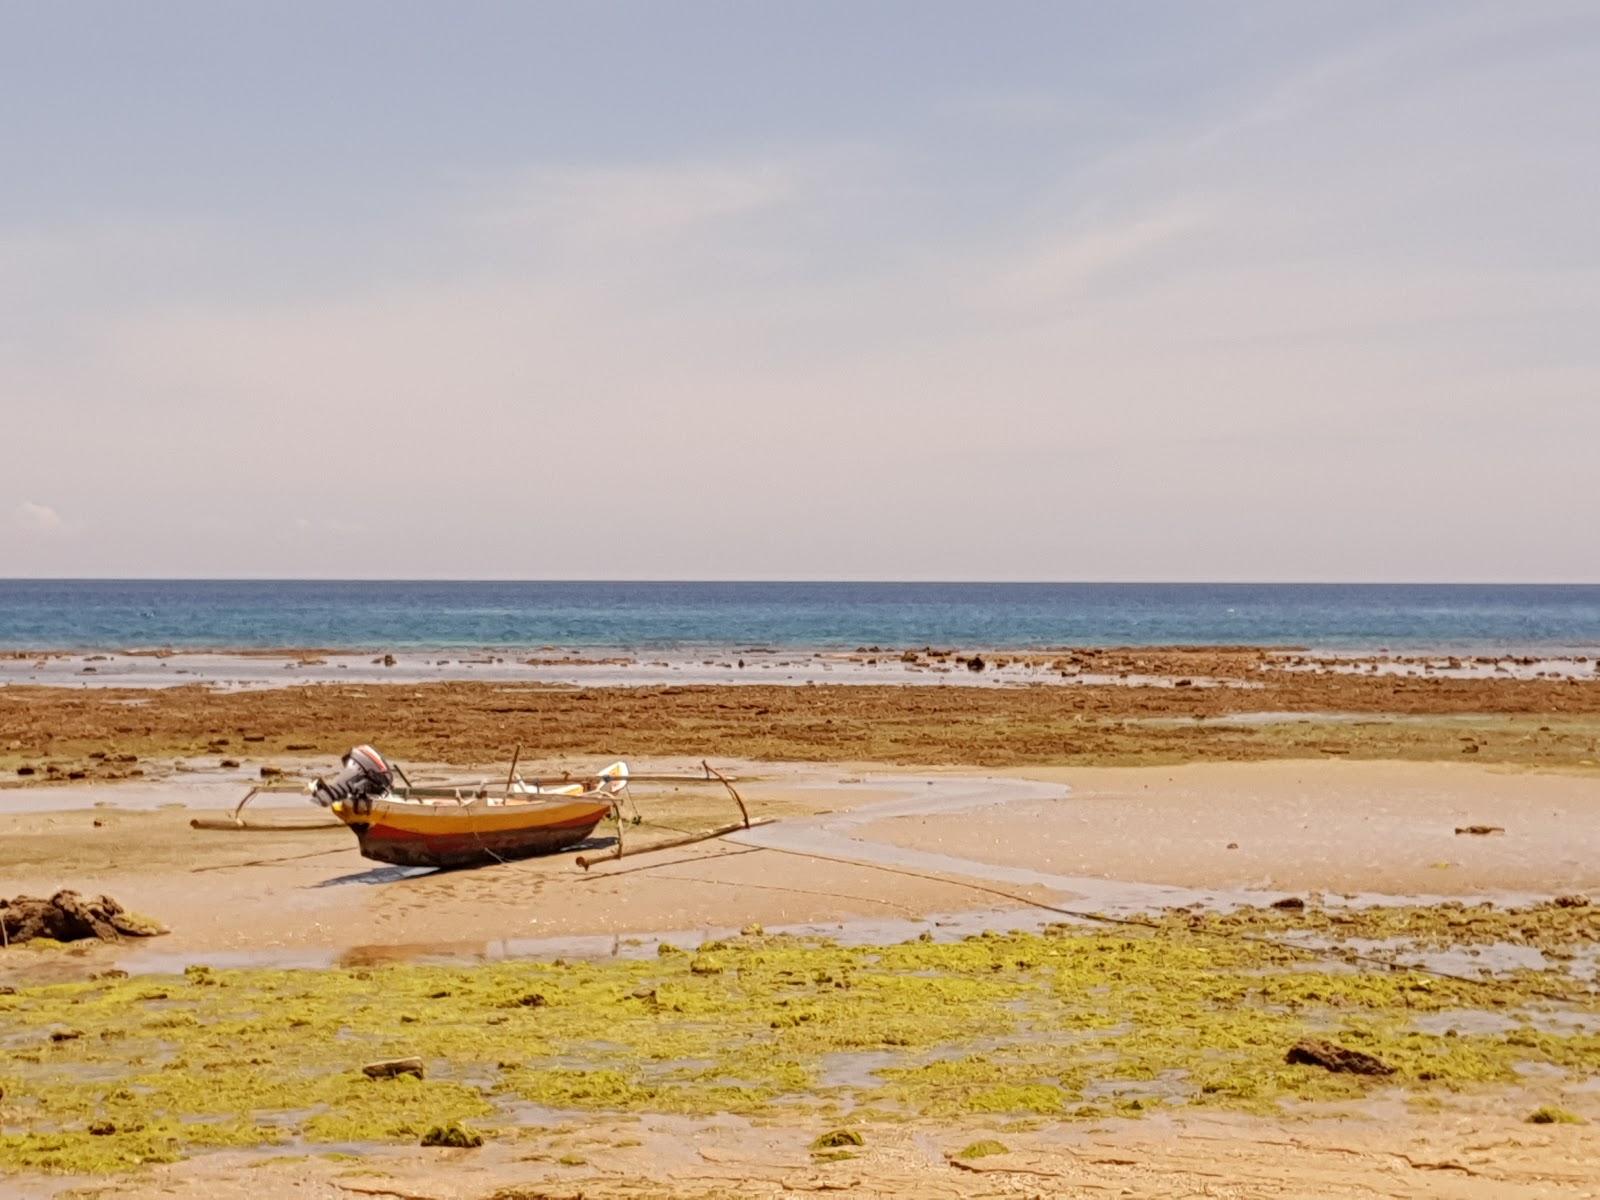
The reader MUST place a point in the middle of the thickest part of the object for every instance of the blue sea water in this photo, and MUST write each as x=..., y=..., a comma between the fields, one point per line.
x=395, y=614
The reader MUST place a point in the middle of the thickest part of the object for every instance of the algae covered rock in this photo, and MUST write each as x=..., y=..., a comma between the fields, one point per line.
x=1549, y=1114
x=836, y=1139
x=69, y=917
x=1314, y=1052
x=454, y=1135
x=392, y=1067
x=983, y=1149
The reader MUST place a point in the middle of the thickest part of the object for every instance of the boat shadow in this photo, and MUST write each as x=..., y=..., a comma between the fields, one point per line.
x=375, y=876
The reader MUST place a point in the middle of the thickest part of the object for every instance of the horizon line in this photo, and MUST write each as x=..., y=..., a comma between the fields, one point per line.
x=919, y=582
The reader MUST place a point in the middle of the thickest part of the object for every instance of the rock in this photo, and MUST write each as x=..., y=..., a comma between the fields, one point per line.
x=271, y=772
x=1233, y=845
x=228, y=763
x=1470, y=748
x=388, y=661
x=975, y=663
x=390, y=1068
x=454, y=1135
x=1314, y=1052
x=69, y=917
x=1571, y=901
x=1289, y=904
x=25, y=770
x=1479, y=830
x=102, y=1129
x=66, y=1035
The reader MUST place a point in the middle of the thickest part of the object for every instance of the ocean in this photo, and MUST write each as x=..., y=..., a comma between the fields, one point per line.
x=108, y=614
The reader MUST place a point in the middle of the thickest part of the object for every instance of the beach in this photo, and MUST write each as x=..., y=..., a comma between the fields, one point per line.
x=1426, y=829
x=765, y=602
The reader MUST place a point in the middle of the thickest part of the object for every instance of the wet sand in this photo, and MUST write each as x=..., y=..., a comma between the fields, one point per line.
x=1299, y=826
x=877, y=851
x=308, y=898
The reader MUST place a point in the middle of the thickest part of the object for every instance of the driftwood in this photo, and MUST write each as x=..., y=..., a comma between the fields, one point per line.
x=69, y=917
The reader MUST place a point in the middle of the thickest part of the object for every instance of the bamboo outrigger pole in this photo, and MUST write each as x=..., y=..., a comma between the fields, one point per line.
x=588, y=860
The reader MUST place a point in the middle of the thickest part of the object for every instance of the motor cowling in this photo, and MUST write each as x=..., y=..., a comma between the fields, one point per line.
x=365, y=775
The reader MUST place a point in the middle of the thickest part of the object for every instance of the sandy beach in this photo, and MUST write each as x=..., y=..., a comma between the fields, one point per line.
x=918, y=823
x=1094, y=838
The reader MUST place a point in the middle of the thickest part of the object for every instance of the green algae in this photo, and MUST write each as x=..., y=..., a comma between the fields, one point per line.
x=1554, y=925
x=1076, y=1023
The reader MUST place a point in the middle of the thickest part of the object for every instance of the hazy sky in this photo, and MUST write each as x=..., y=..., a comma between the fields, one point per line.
x=814, y=290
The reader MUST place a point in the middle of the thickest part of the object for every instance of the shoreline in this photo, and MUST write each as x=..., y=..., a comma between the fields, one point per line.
x=1198, y=666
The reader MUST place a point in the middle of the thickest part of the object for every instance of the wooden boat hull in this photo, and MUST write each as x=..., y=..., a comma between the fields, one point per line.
x=414, y=834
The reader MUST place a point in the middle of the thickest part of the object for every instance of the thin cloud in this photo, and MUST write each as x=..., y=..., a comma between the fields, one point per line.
x=38, y=518
x=1063, y=264
x=626, y=203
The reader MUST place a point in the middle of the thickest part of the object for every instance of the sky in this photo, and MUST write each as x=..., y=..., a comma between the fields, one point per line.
x=856, y=290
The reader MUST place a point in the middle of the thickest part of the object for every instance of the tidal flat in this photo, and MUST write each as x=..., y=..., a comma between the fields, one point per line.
x=1081, y=1022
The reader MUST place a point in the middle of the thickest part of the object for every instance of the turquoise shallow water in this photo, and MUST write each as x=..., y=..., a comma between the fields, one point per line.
x=118, y=614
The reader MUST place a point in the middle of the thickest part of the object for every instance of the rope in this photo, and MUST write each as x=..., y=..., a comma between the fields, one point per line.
x=597, y=876
x=473, y=830
x=266, y=862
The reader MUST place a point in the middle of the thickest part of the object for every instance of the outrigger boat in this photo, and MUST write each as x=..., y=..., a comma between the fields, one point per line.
x=475, y=823
x=446, y=826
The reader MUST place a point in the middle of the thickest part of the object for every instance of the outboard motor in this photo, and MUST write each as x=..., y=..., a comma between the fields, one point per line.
x=365, y=775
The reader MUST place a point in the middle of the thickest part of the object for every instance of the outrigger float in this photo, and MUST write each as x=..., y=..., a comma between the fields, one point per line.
x=471, y=824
